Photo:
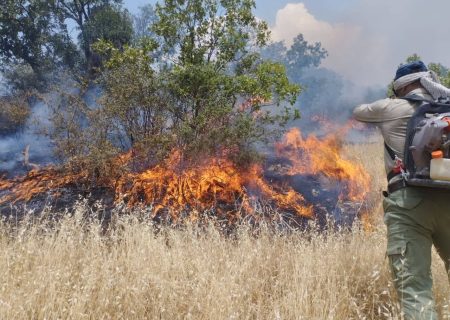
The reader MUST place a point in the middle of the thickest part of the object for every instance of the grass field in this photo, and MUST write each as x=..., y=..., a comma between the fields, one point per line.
x=70, y=270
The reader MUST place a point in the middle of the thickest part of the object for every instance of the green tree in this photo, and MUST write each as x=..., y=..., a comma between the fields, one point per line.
x=136, y=104
x=321, y=87
x=212, y=46
x=108, y=23
x=33, y=35
x=302, y=55
x=81, y=12
x=210, y=94
x=14, y=112
x=442, y=72
x=412, y=58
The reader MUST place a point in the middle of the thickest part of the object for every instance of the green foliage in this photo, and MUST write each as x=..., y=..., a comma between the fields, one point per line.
x=35, y=42
x=390, y=90
x=442, y=72
x=14, y=112
x=96, y=19
x=200, y=31
x=33, y=34
x=108, y=23
x=320, y=87
x=412, y=58
x=298, y=57
x=20, y=77
x=302, y=55
x=210, y=94
x=68, y=114
x=135, y=104
x=194, y=81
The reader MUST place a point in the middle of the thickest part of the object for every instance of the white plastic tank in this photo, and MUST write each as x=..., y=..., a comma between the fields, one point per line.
x=439, y=167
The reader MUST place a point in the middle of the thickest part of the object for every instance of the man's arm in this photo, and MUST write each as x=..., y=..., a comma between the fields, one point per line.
x=373, y=112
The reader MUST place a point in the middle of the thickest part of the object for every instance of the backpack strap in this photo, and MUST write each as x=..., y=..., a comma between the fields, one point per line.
x=412, y=98
x=416, y=98
x=424, y=105
x=391, y=154
x=389, y=150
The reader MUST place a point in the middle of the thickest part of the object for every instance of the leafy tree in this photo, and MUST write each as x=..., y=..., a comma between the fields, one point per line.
x=69, y=121
x=302, y=55
x=215, y=67
x=442, y=72
x=108, y=23
x=413, y=57
x=198, y=32
x=35, y=32
x=297, y=58
x=14, y=112
x=81, y=12
x=321, y=87
x=210, y=94
x=32, y=33
x=136, y=104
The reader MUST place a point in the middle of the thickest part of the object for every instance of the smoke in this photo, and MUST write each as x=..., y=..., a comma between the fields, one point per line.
x=327, y=101
x=351, y=53
x=31, y=145
x=12, y=146
x=329, y=92
x=367, y=40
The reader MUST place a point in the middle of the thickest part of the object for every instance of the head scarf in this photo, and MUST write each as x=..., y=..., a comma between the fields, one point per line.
x=428, y=79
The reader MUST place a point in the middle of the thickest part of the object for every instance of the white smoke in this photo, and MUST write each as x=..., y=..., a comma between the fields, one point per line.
x=40, y=147
x=368, y=41
x=351, y=53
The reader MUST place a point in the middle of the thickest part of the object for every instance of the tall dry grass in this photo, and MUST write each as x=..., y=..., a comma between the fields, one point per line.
x=72, y=269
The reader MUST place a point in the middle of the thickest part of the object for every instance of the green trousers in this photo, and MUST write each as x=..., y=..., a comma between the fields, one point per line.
x=416, y=219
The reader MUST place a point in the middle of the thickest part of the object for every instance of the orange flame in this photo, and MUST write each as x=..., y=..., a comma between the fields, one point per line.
x=37, y=182
x=315, y=156
x=213, y=184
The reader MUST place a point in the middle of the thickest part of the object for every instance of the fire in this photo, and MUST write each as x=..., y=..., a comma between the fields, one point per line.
x=323, y=156
x=52, y=179
x=214, y=184
x=36, y=182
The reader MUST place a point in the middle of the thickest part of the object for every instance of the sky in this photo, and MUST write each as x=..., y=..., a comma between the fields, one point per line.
x=366, y=39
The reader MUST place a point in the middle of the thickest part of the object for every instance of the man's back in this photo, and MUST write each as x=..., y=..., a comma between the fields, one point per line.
x=416, y=217
x=391, y=117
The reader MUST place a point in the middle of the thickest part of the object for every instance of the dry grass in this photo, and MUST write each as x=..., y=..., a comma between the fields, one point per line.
x=72, y=270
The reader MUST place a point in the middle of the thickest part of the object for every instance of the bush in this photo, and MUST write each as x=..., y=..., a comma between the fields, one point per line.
x=14, y=112
x=209, y=93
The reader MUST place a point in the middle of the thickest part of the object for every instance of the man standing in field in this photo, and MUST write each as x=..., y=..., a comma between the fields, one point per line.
x=416, y=217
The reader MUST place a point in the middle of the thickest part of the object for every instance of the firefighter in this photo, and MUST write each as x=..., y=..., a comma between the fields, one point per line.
x=416, y=217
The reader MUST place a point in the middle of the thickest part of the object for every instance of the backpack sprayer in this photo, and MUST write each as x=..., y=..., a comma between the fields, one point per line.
x=427, y=146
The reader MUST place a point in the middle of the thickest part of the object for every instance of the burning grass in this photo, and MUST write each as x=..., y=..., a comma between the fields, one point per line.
x=72, y=268
x=305, y=173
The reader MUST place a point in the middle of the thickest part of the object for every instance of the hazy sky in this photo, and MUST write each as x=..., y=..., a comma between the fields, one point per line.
x=366, y=39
